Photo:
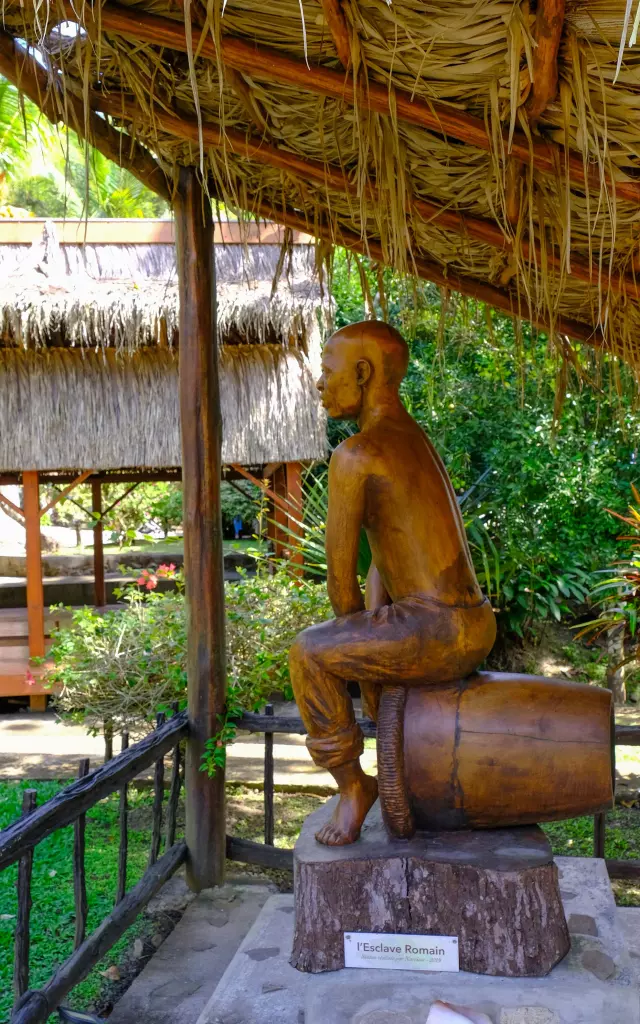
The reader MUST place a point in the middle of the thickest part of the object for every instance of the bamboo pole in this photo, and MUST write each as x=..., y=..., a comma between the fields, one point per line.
x=383, y=98
x=201, y=465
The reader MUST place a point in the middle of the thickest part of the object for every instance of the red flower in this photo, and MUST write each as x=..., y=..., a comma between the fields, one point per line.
x=166, y=571
x=29, y=678
x=152, y=582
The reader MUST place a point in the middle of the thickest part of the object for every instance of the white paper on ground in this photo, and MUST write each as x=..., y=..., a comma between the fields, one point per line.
x=445, y=1013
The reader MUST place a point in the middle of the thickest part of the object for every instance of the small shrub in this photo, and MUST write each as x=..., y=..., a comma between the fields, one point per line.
x=126, y=665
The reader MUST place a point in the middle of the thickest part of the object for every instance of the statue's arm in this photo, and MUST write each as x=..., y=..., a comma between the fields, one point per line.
x=344, y=522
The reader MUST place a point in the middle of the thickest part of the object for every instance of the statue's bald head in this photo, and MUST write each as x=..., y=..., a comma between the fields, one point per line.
x=367, y=354
x=380, y=344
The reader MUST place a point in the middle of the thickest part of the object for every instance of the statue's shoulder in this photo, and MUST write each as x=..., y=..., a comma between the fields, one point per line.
x=353, y=454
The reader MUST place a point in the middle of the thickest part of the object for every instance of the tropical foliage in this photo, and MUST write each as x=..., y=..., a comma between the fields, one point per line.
x=47, y=172
x=616, y=597
x=540, y=438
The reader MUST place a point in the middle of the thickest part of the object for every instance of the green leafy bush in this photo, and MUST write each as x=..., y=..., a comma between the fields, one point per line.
x=617, y=597
x=126, y=665
x=525, y=590
x=122, y=665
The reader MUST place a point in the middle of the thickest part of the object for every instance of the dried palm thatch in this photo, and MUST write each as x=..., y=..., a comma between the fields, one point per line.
x=89, y=365
x=448, y=113
x=74, y=295
x=74, y=409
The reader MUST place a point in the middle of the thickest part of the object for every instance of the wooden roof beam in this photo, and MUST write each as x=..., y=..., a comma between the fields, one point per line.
x=260, y=62
x=548, y=33
x=339, y=29
x=325, y=175
x=23, y=71
x=427, y=270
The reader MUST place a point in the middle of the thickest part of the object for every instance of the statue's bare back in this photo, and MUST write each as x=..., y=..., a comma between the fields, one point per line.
x=411, y=515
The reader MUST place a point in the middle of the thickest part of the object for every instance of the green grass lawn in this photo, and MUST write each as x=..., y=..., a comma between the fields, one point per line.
x=52, y=920
x=173, y=545
x=52, y=915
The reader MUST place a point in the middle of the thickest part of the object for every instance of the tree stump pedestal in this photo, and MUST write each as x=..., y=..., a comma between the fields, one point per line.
x=497, y=891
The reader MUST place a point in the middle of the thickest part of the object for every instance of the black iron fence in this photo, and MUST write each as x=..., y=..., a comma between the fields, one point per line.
x=70, y=806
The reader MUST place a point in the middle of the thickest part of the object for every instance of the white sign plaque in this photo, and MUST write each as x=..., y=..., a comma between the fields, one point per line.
x=401, y=952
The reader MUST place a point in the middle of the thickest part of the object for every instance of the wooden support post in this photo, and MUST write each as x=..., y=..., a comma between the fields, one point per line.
x=268, y=781
x=158, y=795
x=599, y=834
x=100, y=594
x=123, y=815
x=22, y=934
x=79, y=868
x=294, y=499
x=35, y=589
x=280, y=516
x=201, y=469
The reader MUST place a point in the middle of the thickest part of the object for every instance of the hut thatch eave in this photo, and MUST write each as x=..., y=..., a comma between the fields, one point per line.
x=89, y=364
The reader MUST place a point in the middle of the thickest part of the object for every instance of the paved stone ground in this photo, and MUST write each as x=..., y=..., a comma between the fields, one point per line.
x=38, y=746
x=595, y=984
x=178, y=984
x=179, y=980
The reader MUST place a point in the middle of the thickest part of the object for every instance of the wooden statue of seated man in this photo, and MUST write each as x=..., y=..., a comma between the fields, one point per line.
x=426, y=619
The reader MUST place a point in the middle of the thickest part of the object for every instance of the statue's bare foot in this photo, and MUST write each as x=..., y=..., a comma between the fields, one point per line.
x=356, y=800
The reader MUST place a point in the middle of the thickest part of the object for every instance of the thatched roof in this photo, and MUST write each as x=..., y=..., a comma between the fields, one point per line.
x=89, y=360
x=126, y=297
x=78, y=409
x=446, y=146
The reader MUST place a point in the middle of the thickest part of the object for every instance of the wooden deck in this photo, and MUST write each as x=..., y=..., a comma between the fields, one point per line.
x=14, y=681
x=14, y=657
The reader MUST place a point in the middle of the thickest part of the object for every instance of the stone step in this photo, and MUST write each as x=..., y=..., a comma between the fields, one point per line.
x=181, y=977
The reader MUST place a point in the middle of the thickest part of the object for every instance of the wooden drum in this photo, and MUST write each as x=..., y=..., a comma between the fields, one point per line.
x=492, y=751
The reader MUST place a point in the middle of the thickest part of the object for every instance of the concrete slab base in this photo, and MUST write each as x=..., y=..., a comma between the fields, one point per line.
x=179, y=979
x=594, y=984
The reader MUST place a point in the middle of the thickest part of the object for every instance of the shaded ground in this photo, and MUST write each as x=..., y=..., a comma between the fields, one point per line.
x=41, y=747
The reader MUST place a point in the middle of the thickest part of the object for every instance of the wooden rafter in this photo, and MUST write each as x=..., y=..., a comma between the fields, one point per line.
x=66, y=492
x=337, y=24
x=23, y=71
x=427, y=270
x=464, y=225
x=513, y=182
x=548, y=33
x=277, y=500
x=270, y=65
x=7, y=504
